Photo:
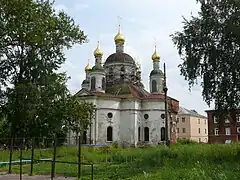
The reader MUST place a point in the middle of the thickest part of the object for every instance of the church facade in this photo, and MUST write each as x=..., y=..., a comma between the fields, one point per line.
x=125, y=110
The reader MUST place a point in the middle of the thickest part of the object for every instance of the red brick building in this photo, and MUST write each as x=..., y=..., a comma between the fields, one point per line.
x=221, y=131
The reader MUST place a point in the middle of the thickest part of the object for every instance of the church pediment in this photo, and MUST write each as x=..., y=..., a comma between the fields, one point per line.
x=84, y=92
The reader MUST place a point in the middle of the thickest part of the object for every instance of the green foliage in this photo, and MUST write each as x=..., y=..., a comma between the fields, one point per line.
x=79, y=114
x=33, y=95
x=209, y=46
x=186, y=141
x=192, y=161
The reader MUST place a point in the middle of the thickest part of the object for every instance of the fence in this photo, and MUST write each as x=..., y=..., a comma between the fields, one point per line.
x=21, y=146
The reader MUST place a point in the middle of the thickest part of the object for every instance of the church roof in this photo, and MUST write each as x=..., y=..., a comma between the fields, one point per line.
x=130, y=91
x=156, y=72
x=119, y=57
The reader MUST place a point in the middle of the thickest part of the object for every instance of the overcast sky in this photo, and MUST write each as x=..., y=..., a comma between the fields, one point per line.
x=142, y=22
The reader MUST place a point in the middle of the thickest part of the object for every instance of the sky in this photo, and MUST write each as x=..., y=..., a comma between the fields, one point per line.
x=143, y=23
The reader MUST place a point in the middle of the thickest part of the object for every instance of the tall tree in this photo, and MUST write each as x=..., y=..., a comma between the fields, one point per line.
x=209, y=46
x=33, y=38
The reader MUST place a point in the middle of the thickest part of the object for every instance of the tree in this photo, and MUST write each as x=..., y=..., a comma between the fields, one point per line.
x=79, y=114
x=209, y=46
x=33, y=38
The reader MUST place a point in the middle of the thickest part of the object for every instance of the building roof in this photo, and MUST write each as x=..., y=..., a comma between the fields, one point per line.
x=119, y=57
x=184, y=111
x=130, y=91
x=156, y=72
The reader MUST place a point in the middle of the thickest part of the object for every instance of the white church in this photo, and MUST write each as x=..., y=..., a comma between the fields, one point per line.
x=125, y=111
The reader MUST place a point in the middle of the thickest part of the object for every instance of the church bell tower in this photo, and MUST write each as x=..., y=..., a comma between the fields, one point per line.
x=156, y=75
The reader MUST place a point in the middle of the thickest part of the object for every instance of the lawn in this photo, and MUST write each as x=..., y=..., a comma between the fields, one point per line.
x=181, y=161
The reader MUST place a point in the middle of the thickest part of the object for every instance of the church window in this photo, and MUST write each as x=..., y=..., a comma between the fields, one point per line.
x=103, y=83
x=110, y=115
x=146, y=134
x=111, y=73
x=154, y=86
x=139, y=133
x=122, y=73
x=163, y=116
x=93, y=83
x=146, y=116
x=163, y=134
x=109, y=133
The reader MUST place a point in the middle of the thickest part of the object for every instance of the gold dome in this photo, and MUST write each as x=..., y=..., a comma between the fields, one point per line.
x=156, y=56
x=98, y=52
x=88, y=67
x=119, y=38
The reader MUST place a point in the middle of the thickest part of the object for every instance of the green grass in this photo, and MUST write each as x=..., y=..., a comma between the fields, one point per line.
x=189, y=161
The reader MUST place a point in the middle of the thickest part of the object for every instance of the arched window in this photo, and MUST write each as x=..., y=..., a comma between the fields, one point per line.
x=146, y=134
x=154, y=86
x=139, y=133
x=122, y=73
x=93, y=83
x=163, y=134
x=109, y=133
x=103, y=83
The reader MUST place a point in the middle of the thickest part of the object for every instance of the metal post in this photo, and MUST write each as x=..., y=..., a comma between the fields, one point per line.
x=79, y=157
x=32, y=156
x=10, y=156
x=92, y=171
x=21, y=149
x=54, y=158
x=165, y=89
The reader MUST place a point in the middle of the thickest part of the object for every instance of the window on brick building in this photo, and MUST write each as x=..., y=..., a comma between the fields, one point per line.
x=238, y=130
x=205, y=121
x=216, y=131
x=227, y=120
x=238, y=117
x=177, y=130
x=205, y=131
x=215, y=120
x=228, y=131
x=199, y=130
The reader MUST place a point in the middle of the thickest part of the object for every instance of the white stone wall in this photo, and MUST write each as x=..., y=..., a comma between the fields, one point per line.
x=154, y=109
x=128, y=115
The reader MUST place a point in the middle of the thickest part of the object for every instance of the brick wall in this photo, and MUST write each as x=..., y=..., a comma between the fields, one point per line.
x=222, y=125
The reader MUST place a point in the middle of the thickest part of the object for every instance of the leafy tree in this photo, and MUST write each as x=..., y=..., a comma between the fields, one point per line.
x=33, y=38
x=209, y=46
x=79, y=114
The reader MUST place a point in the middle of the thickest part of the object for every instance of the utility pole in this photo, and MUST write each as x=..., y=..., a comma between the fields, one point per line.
x=165, y=89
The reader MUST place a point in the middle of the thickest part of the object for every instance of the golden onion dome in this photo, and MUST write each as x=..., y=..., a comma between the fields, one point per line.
x=155, y=56
x=88, y=67
x=98, y=52
x=119, y=38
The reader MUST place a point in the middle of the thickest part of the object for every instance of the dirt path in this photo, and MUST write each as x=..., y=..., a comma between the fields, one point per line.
x=26, y=177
